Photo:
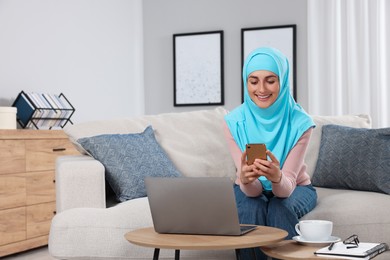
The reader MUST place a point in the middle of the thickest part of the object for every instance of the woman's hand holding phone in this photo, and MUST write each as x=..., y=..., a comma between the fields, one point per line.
x=252, y=167
x=248, y=173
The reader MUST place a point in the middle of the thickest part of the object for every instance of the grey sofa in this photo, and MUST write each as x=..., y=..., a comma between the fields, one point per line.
x=90, y=225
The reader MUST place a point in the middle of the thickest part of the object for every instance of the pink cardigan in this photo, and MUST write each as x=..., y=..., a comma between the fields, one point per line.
x=293, y=171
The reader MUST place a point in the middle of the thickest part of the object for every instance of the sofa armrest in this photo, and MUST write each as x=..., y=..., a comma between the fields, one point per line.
x=80, y=183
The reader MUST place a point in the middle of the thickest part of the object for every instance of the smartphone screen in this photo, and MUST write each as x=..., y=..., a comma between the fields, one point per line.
x=255, y=151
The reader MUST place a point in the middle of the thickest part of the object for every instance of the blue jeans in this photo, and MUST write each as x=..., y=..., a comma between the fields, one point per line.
x=267, y=210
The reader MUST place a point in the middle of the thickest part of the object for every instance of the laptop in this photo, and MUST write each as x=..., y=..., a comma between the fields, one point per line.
x=194, y=205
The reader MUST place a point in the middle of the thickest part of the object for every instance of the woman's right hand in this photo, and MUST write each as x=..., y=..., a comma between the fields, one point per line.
x=248, y=173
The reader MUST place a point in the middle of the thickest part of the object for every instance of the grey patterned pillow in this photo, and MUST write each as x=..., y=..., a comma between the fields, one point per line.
x=128, y=159
x=354, y=158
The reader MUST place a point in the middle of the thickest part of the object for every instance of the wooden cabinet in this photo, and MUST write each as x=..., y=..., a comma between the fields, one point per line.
x=27, y=186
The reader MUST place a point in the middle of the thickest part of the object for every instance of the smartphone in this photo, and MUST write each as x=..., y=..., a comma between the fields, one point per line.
x=255, y=151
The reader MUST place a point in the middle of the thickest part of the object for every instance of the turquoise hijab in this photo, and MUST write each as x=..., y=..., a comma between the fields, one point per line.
x=280, y=125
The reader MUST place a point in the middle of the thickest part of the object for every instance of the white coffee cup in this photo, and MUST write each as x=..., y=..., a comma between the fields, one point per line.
x=314, y=230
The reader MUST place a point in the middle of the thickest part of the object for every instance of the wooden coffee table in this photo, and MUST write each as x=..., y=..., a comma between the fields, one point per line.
x=261, y=236
x=291, y=250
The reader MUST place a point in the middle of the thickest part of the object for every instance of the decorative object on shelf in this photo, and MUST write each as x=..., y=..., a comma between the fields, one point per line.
x=281, y=37
x=43, y=111
x=8, y=117
x=198, y=68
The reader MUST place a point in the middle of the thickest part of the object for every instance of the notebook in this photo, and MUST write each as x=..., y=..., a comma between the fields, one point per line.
x=189, y=205
x=364, y=251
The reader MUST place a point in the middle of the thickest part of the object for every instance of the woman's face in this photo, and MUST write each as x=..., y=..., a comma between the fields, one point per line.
x=263, y=87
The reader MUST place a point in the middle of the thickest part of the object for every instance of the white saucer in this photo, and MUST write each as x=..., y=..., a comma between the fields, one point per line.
x=331, y=239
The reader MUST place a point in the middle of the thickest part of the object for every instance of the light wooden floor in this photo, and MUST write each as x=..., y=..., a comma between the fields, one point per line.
x=35, y=254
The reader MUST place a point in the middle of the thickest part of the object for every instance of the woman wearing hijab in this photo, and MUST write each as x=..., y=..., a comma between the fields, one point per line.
x=274, y=192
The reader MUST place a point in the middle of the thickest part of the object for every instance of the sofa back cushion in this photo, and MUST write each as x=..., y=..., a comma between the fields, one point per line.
x=358, y=121
x=194, y=141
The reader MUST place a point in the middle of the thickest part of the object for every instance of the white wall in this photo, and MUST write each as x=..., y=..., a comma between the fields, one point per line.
x=164, y=18
x=91, y=50
x=96, y=51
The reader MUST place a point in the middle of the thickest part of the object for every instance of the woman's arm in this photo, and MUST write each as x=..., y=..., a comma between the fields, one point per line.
x=252, y=189
x=294, y=169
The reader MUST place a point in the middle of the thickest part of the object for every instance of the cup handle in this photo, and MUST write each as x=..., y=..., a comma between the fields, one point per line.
x=297, y=229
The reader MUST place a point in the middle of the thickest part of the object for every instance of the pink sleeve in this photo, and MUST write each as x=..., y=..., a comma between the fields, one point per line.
x=294, y=169
x=253, y=189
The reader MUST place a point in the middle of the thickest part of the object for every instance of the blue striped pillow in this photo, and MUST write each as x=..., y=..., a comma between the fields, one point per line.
x=128, y=159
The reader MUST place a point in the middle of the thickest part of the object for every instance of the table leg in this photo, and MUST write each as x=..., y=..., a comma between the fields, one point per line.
x=156, y=253
x=253, y=253
x=238, y=255
x=177, y=254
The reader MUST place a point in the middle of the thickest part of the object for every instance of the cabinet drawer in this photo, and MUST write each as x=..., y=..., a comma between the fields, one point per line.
x=12, y=225
x=39, y=219
x=40, y=187
x=12, y=190
x=12, y=156
x=41, y=154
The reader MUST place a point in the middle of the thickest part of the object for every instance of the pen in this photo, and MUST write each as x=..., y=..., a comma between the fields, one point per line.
x=331, y=246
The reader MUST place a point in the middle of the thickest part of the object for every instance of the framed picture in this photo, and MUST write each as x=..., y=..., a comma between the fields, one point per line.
x=280, y=37
x=198, y=68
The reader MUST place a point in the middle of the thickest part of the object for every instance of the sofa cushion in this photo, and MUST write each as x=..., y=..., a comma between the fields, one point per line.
x=73, y=230
x=354, y=212
x=194, y=141
x=128, y=159
x=354, y=158
x=314, y=145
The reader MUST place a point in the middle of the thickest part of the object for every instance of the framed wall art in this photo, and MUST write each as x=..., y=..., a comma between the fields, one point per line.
x=198, y=68
x=280, y=37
